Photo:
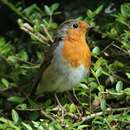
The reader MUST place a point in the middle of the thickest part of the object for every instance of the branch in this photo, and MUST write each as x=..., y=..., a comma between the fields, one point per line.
x=38, y=36
x=104, y=112
x=47, y=33
x=42, y=112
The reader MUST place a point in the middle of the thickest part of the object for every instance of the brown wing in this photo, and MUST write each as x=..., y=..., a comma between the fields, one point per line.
x=47, y=60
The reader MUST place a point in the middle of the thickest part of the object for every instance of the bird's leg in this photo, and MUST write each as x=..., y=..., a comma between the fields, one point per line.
x=58, y=102
x=76, y=98
x=63, y=110
x=73, y=98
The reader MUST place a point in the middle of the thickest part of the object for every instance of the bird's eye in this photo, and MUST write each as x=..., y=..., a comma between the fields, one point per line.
x=75, y=25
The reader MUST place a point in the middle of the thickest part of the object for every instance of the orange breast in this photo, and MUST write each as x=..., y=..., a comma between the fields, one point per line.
x=76, y=50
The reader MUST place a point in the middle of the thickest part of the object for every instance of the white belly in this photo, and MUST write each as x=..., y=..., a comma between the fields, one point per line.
x=58, y=80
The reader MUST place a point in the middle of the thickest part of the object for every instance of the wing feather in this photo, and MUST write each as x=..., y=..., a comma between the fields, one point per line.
x=46, y=62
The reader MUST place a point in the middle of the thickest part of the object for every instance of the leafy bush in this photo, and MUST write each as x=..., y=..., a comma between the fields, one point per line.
x=104, y=96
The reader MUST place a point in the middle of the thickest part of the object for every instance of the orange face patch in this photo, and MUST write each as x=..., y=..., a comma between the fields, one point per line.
x=76, y=50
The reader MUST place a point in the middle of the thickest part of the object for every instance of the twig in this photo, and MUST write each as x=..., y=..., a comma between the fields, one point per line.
x=28, y=109
x=63, y=110
x=117, y=40
x=47, y=33
x=105, y=112
x=47, y=116
x=90, y=100
x=120, y=78
x=29, y=67
x=9, y=123
x=93, y=73
x=28, y=29
x=109, y=126
x=37, y=109
x=115, y=93
x=125, y=51
x=77, y=100
x=107, y=47
x=73, y=116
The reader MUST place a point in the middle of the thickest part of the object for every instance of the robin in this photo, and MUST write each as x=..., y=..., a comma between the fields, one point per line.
x=67, y=61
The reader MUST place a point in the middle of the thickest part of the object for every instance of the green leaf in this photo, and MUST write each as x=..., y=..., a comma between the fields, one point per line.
x=82, y=127
x=52, y=25
x=16, y=99
x=121, y=19
x=5, y=82
x=5, y=47
x=47, y=10
x=119, y=86
x=27, y=126
x=128, y=118
x=93, y=84
x=33, y=103
x=54, y=7
x=99, y=72
x=125, y=10
x=101, y=88
x=90, y=14
x=8, y=124
x=15, y=116
x=22, y=106
x=38, y=125
x=2, y=40
x=12, y=59
x=96, y=51
x=113, y=32
x=36, y=27
x=128, y=75
x=31, y=10
x=103, y=104
x=127, y=90
x=84, y=86
x=22, y=55
x=100, y=62
x=72, y=108
x=99, y=9
x=54, y=126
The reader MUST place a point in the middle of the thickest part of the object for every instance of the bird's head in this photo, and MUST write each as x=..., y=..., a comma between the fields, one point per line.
x=73, y=28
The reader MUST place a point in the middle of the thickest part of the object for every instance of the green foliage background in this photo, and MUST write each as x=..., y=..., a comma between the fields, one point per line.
x=26, y=31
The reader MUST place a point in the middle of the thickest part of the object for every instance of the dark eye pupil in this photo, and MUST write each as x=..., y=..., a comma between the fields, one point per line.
x=75, y=25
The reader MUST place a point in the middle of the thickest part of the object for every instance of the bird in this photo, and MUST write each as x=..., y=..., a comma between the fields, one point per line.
x=68, y=59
